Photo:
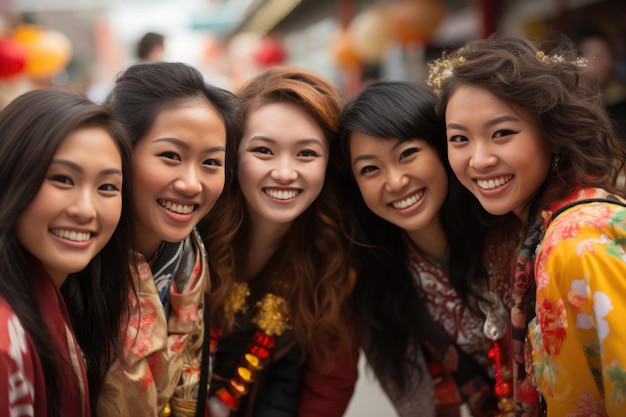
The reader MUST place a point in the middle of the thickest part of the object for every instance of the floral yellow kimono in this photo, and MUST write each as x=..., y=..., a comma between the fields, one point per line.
x=579, y=334
x=160, y=370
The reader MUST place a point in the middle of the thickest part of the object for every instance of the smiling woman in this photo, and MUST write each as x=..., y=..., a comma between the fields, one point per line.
x=182, y=131
x=64, y=163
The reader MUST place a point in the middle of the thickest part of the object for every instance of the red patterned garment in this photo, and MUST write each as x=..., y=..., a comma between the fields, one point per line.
x=22, y=385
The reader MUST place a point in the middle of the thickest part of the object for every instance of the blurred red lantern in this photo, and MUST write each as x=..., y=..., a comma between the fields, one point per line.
x=342, y=52
x=47, y=51
x=270, y=52
x=415, y=21
x=12, y=58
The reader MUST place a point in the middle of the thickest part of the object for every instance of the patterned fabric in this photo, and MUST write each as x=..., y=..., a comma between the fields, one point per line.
x=162, y=356
x=22, y=384
x=578, y=336
x=455, y=347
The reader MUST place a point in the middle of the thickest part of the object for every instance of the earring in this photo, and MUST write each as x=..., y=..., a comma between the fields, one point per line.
x=555, y=163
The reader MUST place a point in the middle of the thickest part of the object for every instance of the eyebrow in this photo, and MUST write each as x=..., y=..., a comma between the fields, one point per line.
x=395, y=146
x=79, y=169
x=186, y=146
x=490, y=123
x=298, y=142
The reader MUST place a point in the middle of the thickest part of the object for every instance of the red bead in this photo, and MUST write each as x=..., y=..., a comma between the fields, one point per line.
x=259, y=351
x=227, y=398
x=264, y=340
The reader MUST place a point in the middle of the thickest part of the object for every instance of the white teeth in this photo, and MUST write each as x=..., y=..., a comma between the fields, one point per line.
x=408, y=202
x=494, y=183
x=72, y=235
x=281, y=195
x=177, y=208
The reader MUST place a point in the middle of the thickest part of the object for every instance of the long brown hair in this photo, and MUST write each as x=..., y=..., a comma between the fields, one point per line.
x=312, y=258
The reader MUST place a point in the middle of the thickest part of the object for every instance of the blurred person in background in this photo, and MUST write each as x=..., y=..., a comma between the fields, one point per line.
x=151, y=47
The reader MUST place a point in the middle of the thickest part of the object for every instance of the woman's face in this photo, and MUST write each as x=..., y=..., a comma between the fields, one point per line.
x=78, y=205
x=178, y=173
x=495, y=150
x=401, y=181
x=282, y=162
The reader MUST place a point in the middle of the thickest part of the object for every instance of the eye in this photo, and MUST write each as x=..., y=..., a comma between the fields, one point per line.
x=503, y=133
x=109, y=188
x=213, y=162
x=262, y=149
x=458, y=138
x=170, y=155
x=368, y=169
x=63, y=179
x=408, y=152
x=307, y=153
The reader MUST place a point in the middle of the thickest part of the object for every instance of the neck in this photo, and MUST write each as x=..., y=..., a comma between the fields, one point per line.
x=431, y=240
x=265, y=238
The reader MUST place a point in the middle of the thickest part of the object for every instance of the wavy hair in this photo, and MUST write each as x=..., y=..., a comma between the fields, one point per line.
x=562, y=97
x=32, y=127
x=386, y=304
x=312, y=255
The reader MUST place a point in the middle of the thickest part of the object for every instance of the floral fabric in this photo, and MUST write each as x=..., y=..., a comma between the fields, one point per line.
x=162, y=356
x=578, y=335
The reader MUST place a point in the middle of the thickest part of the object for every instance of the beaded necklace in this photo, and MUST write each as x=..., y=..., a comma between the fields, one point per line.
x=272, y=319
x=497, y=326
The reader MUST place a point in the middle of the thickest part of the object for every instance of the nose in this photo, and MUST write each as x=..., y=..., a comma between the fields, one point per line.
x=284, y=171
x=188, y=182
x=396, y=181
x=82, y=206
x=483, y=157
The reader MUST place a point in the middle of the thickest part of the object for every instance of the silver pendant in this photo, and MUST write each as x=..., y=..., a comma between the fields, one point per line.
x=496, y=316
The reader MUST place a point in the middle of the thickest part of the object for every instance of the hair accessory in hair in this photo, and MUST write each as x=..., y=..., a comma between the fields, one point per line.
x=579, y=62
x=442, y=68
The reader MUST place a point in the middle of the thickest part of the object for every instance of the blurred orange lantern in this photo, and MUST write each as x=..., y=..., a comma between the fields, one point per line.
x=270, y=52
x=47, y=51
x=12, y=58
x=370, y=34
x=415, y=21
x=342, y=52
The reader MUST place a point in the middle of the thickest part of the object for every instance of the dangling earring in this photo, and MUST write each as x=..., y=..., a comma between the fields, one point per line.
x=555, y=163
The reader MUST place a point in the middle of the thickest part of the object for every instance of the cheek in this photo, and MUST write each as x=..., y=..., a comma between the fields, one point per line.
x=458, y=163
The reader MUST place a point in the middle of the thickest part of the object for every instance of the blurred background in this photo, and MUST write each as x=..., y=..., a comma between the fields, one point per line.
x=85, y=43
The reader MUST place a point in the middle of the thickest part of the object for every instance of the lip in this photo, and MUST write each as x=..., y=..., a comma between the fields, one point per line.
x=72, y=237
x=282, y=194
x=178, y=210
x=409, y=202
x=493, y=184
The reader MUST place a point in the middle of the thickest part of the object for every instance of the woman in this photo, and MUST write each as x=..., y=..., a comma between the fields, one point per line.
x=418, y=253
x=181, y=129
x=539, y=155
x=279, y=288
x=64, y=163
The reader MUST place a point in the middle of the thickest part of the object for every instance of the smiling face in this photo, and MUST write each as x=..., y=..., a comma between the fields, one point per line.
x=403, y=182
x=495, y=150
x=78, y=205
x=282, y=162
x=178, y=173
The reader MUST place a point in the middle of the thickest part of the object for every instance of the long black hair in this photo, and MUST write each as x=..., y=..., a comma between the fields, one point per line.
x=32, y=127
x=390, y=313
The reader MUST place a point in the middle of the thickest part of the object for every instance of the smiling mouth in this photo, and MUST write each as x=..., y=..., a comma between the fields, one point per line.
x=494, y=183
x=408, y=202
x=177, y=208
x=71, y=235
x=281, y=194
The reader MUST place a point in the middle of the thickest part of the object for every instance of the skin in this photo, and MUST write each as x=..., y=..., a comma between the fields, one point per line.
x=78, y=205
x=496, y=150
x=178, y=173
x=282, y=164
x=403, y=182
